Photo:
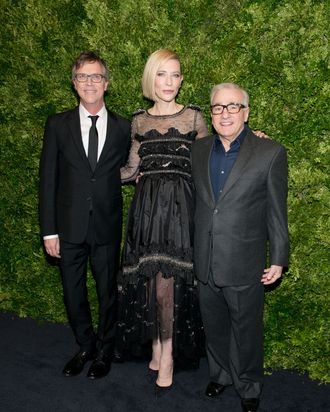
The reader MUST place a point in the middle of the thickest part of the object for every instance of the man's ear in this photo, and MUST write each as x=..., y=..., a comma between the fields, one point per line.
x=246, y=114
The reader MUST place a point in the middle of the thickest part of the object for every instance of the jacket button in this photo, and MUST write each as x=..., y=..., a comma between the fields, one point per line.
x=89, y=199
x=215, y=211
x=93, y=180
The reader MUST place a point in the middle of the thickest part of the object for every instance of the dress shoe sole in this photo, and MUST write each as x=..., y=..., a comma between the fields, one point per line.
x=71, y=375
x=95, y=377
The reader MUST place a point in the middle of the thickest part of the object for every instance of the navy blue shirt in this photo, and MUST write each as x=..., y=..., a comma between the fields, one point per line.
x=221, y=162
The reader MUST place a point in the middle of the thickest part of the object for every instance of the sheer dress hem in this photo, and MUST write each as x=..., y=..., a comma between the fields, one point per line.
x=139, y=323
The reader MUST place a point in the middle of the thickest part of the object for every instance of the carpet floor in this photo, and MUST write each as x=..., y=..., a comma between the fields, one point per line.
x=32, y=355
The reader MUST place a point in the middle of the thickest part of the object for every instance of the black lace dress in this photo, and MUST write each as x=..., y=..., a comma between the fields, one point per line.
x=158, y=297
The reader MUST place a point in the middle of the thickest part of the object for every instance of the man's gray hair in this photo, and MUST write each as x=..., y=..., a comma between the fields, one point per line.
x=221, y=86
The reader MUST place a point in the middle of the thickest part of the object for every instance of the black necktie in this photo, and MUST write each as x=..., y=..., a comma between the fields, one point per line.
x=93, y=143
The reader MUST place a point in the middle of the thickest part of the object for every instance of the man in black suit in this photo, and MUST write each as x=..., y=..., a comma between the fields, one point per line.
x=241, y=215
x=81, y=208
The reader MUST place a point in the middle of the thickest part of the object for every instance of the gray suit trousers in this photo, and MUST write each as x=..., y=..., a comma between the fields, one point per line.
x=233, y=322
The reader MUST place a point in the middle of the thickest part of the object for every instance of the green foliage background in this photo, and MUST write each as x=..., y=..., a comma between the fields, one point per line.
x=276, y=49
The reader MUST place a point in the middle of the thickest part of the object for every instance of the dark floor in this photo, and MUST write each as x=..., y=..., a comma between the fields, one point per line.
x=32, y=355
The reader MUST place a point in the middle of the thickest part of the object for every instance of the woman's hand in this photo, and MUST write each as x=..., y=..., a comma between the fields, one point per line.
x=261, y=134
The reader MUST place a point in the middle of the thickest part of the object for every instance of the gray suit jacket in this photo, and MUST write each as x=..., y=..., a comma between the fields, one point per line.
x=233, y=233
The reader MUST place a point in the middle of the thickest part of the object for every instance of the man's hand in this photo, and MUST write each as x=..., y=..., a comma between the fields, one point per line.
x=52, y=247
x=271, y=274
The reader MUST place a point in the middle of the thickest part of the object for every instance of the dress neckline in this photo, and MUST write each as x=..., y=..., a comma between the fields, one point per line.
x=167, y=115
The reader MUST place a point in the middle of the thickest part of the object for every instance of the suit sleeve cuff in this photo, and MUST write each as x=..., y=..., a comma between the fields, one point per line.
x=50, y=237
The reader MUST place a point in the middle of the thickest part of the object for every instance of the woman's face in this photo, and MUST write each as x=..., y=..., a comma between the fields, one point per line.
x=168, y=81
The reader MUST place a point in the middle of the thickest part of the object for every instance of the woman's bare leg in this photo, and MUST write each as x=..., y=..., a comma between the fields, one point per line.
x=165, y=373
x=165, y=302
x=156, y=354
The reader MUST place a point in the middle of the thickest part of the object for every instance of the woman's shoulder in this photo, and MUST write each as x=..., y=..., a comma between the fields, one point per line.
x=193, y=107
x=138, y=112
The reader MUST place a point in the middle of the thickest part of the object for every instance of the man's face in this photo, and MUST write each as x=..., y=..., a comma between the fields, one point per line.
x=91, y=93
x=227, y=125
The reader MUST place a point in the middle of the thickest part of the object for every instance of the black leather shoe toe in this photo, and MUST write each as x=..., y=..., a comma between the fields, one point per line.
x=214, y=389
x=250, y=404
x=118, y=357
x=100, y=366
x=77, y=363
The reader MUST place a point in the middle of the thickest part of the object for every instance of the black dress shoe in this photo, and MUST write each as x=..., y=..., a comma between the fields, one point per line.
x=118, y=357
x=77, y=363
x=250, y=404
x=100, y=366
x=214, y=389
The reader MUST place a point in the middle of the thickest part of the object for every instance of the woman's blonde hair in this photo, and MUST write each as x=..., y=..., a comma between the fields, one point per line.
x=155, y=60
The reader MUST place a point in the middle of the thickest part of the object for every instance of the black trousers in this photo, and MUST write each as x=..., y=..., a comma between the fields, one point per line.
x=233, y=322
x=104, y=260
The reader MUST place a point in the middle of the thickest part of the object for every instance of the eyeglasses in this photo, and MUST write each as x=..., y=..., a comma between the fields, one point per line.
x=83, y=77
x=232, y=108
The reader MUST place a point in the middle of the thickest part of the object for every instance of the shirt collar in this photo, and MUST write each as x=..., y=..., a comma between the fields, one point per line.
x=236, y=142
x=85, y=113
x=240, y=138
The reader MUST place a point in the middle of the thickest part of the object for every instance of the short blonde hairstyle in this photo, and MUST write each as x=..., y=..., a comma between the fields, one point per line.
x=155, y=60
x=221, y=86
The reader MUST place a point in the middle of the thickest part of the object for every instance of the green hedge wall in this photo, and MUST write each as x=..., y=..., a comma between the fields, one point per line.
x=277, y=49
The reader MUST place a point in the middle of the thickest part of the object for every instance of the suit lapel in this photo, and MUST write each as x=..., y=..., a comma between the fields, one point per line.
x=74, y=126
x=243, y=158
x=205, y=150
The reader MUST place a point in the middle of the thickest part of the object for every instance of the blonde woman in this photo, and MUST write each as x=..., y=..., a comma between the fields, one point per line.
x=158, y=299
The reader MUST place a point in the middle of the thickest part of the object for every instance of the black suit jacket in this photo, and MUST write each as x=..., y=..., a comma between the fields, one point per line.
x=69, y=188
x=232, y=233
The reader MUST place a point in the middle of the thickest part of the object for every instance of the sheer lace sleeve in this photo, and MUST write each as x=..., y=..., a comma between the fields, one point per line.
x=131, y=170
x=200, y=125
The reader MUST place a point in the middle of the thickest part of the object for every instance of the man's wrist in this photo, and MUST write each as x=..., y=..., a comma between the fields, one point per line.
x=50, y=237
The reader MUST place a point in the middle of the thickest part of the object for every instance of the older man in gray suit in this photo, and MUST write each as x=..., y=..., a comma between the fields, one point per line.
x=240, y=219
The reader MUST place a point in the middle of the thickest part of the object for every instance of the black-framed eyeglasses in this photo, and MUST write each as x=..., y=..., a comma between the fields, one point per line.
x=95, y=77
x=232, y=108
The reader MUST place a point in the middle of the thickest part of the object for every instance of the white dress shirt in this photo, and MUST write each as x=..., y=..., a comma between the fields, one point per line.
x=101, y=126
